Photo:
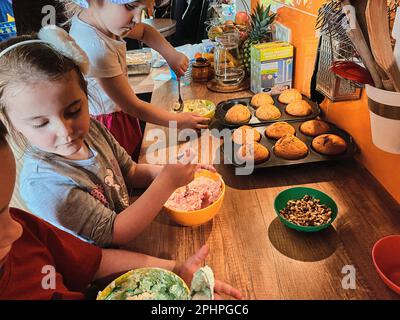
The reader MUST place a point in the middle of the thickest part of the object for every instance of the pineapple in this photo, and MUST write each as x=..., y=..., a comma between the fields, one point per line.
x=261, y=22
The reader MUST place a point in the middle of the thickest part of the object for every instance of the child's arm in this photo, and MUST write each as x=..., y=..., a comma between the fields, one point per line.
x=142, y=175
x=153, y=39
x=129, y=223
x=133, y=220
x=120, y=91
x=115, y=262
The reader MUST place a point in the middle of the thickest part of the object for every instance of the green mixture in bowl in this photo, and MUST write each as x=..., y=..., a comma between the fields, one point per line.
x=205, y=108
x=146, y=284
x=197, y=105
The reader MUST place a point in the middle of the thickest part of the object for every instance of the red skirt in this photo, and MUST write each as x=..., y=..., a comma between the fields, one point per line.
x=125, y=129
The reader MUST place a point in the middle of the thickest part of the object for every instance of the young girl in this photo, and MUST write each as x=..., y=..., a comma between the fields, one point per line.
x=27, y=244
x=75, y=175
x=98, y=27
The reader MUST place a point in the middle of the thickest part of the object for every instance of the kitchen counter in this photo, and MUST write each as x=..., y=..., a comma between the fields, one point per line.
x=252, y=250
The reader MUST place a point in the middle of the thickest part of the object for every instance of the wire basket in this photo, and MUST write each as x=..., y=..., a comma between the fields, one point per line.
x=329, y=84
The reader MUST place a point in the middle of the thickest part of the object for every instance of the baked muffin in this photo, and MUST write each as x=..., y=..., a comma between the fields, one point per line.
x=255, y=151
x=290, y=95
x=329, y=144
x=267, y=112
x=314, y=127
x=261, y=99
x=278, y=129
x=243, y=133
x=238, y=114
x=299, y=108
x=291, y=148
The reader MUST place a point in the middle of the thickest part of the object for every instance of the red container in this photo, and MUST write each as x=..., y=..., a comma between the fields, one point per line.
x=386, y=258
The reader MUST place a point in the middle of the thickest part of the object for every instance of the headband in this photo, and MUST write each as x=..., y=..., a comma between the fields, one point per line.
x=60, y=41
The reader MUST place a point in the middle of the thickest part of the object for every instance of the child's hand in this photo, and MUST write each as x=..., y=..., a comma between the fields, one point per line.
x=208, y=167
x=182, y=173
x=189, y=120
x=191, y=265
x=178, y=175
x=178, y=63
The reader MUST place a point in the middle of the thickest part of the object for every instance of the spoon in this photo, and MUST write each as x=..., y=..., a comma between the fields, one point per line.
x=180, y=100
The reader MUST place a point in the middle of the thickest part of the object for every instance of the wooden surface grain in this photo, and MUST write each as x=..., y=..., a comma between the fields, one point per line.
x=252, y=250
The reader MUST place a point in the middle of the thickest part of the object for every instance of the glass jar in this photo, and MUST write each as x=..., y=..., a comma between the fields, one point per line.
x=228, y=67
x=201, y=70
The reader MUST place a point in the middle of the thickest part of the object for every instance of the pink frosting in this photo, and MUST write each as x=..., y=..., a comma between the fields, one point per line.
x=198, y=194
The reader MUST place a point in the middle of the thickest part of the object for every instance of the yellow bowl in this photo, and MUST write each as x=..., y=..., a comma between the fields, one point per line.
x=141, y=272
x=197, y=217
x=211, y=105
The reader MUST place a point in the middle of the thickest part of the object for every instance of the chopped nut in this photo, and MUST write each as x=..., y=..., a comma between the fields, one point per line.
x=307, y=212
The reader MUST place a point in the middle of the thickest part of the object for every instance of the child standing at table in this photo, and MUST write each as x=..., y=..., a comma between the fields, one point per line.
x=75, y=174
x=98, y=27
x=28, y=244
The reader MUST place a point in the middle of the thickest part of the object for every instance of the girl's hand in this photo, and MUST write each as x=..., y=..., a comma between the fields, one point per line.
x=190, y=266
x=179, y=63
x=208, y=167
x=189, y=120
x=182, y=173
x=178, y=175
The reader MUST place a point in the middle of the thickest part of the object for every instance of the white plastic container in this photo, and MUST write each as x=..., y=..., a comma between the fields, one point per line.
x=384, y=109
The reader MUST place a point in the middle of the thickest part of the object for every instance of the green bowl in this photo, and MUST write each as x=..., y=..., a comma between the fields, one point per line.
x=298, y=193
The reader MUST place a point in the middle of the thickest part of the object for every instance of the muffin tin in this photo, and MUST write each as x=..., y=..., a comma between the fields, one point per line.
x=224, y=106
x=312, y=156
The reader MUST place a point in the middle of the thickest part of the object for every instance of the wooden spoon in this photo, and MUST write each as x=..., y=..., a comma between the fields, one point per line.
x=360, y=6
x=357, y=38
x=379, y=36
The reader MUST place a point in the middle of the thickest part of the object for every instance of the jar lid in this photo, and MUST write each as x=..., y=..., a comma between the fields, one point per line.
x=200, y=63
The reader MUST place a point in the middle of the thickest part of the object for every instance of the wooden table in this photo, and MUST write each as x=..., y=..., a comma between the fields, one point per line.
x=167, y=27
x=252, y=250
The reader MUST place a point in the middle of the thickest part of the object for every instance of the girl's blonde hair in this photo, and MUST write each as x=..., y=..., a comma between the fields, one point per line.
x=29, y=64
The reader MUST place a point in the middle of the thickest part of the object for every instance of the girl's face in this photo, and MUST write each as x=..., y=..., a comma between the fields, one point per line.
x=119, y=19
x=52, y=115
x=10, y=230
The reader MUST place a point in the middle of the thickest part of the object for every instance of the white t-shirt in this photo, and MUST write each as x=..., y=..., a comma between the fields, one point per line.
x=107, y=58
